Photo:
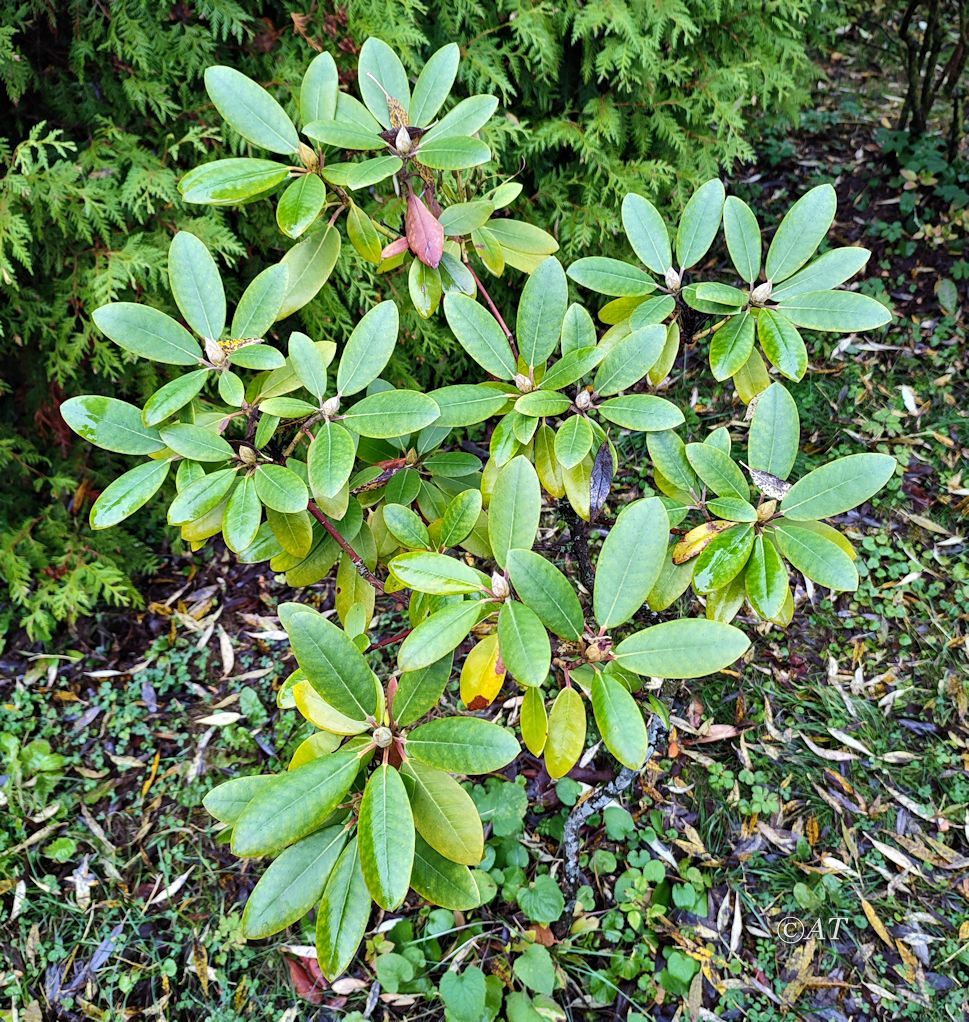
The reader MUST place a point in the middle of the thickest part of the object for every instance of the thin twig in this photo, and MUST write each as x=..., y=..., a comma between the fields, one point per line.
x=362, y=570
x=571, y=844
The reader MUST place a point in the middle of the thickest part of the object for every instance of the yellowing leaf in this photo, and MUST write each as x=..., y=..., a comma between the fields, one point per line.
x=566, y=733
x=693, y=543
x=482, y=675
x=321, y=714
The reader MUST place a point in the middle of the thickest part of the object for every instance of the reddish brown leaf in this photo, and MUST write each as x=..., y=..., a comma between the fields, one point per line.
x=425, y=235
x=394, y=248
x=308, y=981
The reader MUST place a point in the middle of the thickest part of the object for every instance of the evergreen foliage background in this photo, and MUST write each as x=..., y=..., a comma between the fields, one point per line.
x=106, y=111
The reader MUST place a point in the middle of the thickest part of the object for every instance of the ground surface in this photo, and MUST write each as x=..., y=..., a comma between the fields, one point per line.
x=824, y=783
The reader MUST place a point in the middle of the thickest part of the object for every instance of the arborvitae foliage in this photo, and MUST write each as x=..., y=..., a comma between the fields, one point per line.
x=107, y=112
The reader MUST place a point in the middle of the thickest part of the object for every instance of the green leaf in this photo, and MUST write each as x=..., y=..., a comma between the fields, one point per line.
x=453, y=152
x=300, y=205
x=699, y=223
x=642, y=412
x=647, y=233
x=541, y=312
x=438, y=635
x=329, y=460
x=344, y=134
x=231, y=389
x=310, y=263
x=331, y=662
x=782, y=344
x=573, y=441
x=467, y=404
x=281, y=489
x=523, y=641
x=765, y=580
x=466, y=118
x=816, y=556
x=464, y=217
x=732, y=344
x=775, y=432
x=263, y=357
x=732, y=509
x=838, y=486
x=294, y=532
x=717, y=471
x=826, y=272
x=295, y=805
x=566, y=733
x=544, y=589
x=243, y=515
x=630, y=561
x=515, y=509
x=226, y=801
x=725, y=295
x=363, y=235
x=147, y=332
x=368, y=349
x=433, y=84
x=668, y=454
x=230, y=181
x=379, y=74
x=444, y=814
x=421, y=690
x=742, y=233
x=841, y=312
x=462, y=745
x=200, y=497
x=540, y=403
x=620, y=721
x=535, y=969
x=478, y=333
x=460, y=518
x=611, y=277
x=308, y=364
x=723, y=558
x=174, y=395
x=318, y=90
x=465, y=995
x=110, y=424
x=250, y=110
x=578, y=332
x=128, y=493
x=425, y=288
x=572, y=366
x=293, y=884
x=385, y=833
x=362, y=173
x=196, y=285
x=687, y=648
x=542, y=902
x=800, y=232
x=344, y=911
x=407, y=528
x=260, y=303
x=629, y=360
x=390, y=413
x=428, y=572
x=534, y=721
x=442, y=882
x=196, y=442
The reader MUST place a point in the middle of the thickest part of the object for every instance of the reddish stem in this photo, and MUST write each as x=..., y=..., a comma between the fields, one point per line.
x=390, y=640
